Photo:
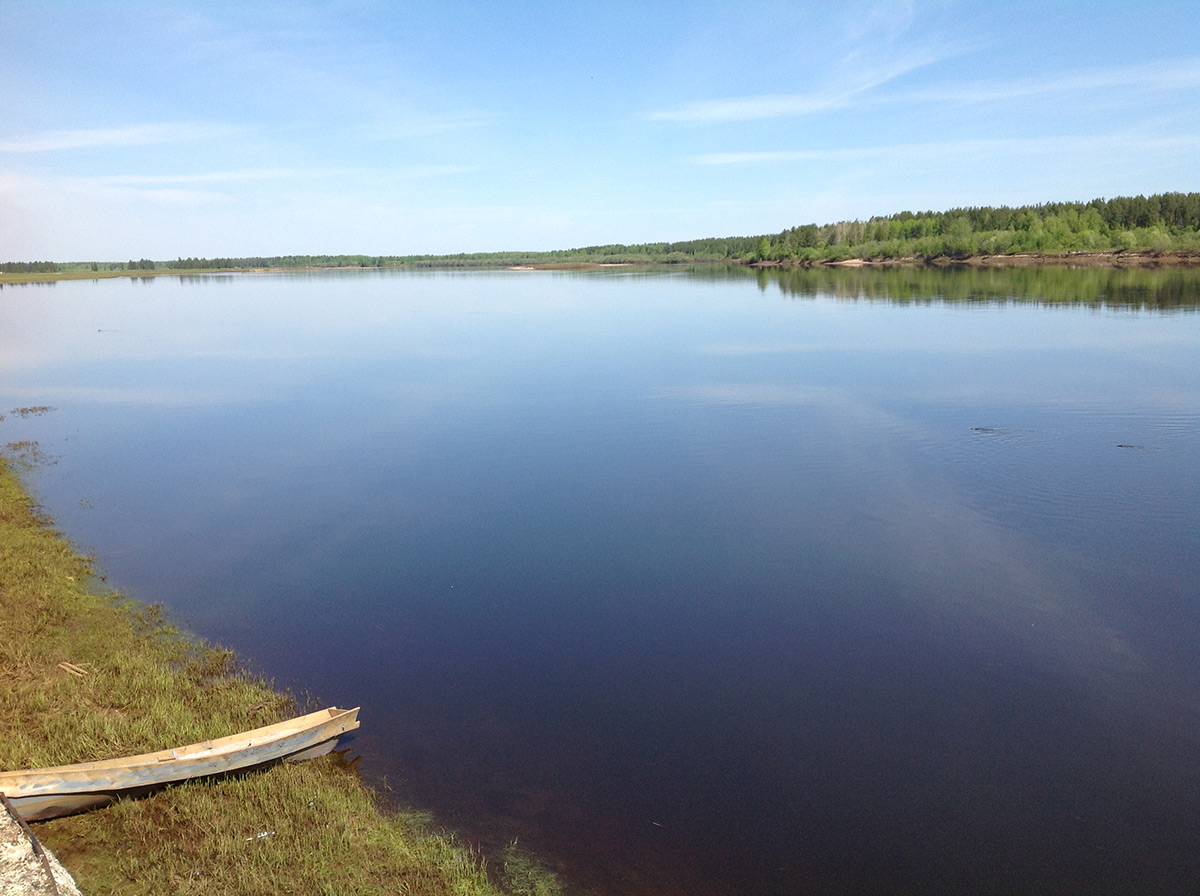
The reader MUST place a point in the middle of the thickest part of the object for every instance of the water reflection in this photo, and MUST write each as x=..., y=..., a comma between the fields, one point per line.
x=689, y=585
x=1167, y=288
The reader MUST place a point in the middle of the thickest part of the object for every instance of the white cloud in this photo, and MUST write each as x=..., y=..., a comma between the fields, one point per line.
x=872, y=59
x=1162, y=78
x=407, y=125
x=406, y=172
x=134, y=135
x=1180, y=75
x=247, y=174
x=782, y=155
x=1035, y=146
x=418, y=172
x=790, y=105
x=747, y=108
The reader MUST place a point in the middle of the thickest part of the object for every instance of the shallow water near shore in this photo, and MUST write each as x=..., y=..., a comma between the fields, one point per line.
x=691, y=581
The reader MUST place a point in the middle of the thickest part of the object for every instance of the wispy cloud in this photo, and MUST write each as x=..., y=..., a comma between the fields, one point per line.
x=134, y=135
x=878, y=45
x=1165, y=77
x=242, y=175
x=944, y=149
x=211, y=177
x=747, y=108
x=407, y=125
x=417, y=172
x=1161, y=78
x=865, y=78
x=772, y=156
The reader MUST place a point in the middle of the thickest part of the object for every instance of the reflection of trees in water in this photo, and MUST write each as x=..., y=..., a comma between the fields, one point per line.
x=1141, y=288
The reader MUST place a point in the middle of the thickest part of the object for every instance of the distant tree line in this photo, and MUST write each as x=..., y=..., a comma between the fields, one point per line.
x=276, y=261
x=1165, y=222
x=28, y=267
x=1159, y=223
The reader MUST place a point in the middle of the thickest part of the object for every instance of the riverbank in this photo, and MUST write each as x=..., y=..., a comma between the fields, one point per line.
x=1070, y=259
x=1073, y=259
x=89, y=674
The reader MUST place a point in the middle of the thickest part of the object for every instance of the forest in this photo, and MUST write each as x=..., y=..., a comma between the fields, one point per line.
x=1167, y=222
x=1161, y=223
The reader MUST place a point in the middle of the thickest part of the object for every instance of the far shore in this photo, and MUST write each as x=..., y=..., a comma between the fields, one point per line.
x=1115, y=259
x=1071, y=259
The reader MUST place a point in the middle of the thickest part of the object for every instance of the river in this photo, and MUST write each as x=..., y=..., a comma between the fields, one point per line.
x=704, y=581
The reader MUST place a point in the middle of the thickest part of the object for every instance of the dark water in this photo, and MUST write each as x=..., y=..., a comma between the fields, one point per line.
x=713, y=583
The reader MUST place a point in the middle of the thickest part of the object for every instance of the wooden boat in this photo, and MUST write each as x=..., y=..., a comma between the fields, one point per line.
x=66, y=789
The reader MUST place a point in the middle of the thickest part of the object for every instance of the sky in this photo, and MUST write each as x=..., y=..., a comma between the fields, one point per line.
x=167, y=129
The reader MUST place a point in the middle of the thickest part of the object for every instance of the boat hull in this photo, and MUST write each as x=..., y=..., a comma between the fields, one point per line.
x=64, y=790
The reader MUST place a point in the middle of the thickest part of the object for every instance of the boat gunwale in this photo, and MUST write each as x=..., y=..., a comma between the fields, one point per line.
x=228, y=753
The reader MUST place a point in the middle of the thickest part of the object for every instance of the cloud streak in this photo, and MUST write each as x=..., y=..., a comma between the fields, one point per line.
x=948, y=148
x=873, y=61
x=175, y=184
x=1166, y=77
x=211, y=177
x=407, y=125
x=749, y=108
x=1171, y=77
x=134, y=135
x=788, y=105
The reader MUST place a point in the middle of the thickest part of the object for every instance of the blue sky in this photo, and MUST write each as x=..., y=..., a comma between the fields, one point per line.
x=162, y=129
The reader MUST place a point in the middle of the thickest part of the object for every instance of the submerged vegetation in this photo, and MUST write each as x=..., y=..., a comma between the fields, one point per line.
x=1162, y=223
x=88, y=675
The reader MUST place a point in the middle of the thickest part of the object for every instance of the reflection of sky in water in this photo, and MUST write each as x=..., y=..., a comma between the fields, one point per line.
x=600, y=550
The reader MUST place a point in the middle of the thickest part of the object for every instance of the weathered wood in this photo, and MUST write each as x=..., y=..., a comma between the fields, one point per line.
x=66, y=789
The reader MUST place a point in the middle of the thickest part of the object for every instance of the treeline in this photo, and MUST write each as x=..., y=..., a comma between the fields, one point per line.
x=28, y=267
x=228, y=264
x=1165, y=222
x=54, y=267
x=277, y=261
x=1160, y=223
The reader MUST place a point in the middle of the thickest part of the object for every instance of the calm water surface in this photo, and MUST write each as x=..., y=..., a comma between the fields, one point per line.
x=713, y=583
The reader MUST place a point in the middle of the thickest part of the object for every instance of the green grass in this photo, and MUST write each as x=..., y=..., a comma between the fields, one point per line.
x=149, y=686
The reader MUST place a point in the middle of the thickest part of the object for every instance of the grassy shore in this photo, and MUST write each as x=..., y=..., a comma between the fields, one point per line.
x=148, y=686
